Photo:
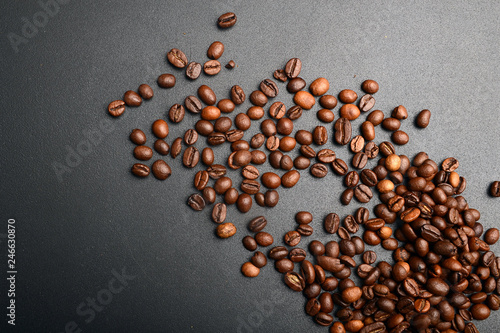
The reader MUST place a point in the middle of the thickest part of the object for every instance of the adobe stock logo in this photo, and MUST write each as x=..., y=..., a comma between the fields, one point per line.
x=40, y=19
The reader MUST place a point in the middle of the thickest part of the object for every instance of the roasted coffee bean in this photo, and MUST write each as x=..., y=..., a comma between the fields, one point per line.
x=257, y=140
x=226, y=230
x=386, y=148
x=131, y=98
x=349, y=111
x=320, y=135
x=284, y=265
x=325, y=115
x=250, y=172
x=278, y=253
x=223, y=124
x=210, y=113
x=270, y=180
x=166, y=81
x=209, y=195
x=161, y=147
x=400, y=138
x=193, y=70
x=277, y=110
x=319, y=170
x=207, y=95
x=346, y=197
x=226, y=105
x=264, y=239
x=219, y=215
x=295, y=85
x=303, y=217
x=340, y=167
x=201, y=180
x=357, y=144
x=257, y=224
x=343, y=131
x=271, y=198
x=258, y=98
x=242, y=121
x=240, y=145
x=366, y=103
x=359, y=160
x=259, y=259
x=371, y=150
x=193, y=104
x=143, y=153
x=301, y=163
x=269, y=88
x=161, y=170
x=237, y=95
x=304, y=99
x=370, y=87
x=326, y=156
x=138, y=137
x=350, y=224
x=176, y=147
x=286, y=162
x=369, y=178
x=293, y=67
x=313, y=307
x=140, y=170
x=351, y=179
x=275, y=159
x=191, y=157
x=250, y=186
x=294, y=281
x=216, y=138
x=391, y=124
x=177, y=58
x=305, y=229
x=423, y=118
x=491, y=236
x=400, y=112
x=273, y=143
x=190, y=137
x=319, y=86
x=215, y=50
x=244, y=202
x=294, y=113
x=331, y=223
x=307, y=151
x=222, y=184
x=292, y=238
x=348, y=96
x=226, y=20
x=290, y=178
x=145, y=91
x=196, y=202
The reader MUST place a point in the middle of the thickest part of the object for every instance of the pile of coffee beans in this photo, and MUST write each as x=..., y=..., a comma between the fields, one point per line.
x=444, y=274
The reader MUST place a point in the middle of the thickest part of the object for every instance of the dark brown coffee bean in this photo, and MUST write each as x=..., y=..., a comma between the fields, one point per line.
x=269, y=88
x=216, y=138
x=280, y=75
x=177, y=58
x=249, y=243
x=166, y=81
x=226, y=20
x=219, y=213
x=290, y=178
x=400, y=138
x=264, y=239
x=386, y=148
x=257, y=140
x=138, y=137
x=145, y=91
x=193, y=70
x=196, y=202
x=250, y=186
x=161, y=147
x=319, y=170
x=343, y=131
x=193, y=104
x=305, y=229
x=216, y=171
x=234, y=135
x=292, y=238
x=237, y=95
x=301, y=163
x=244, y=202
x=215, y=50
x=350, y=224
x=331, y=223
x=257, y=224
x=201, y=180
x=359, y=160
x=313, y=307
x=143, y=153
x=191, y=157
x=325, y=115
x=295, y=85
x=423, y=118
x=293, y=67
x=320, y=135
x=326, y=156
x=176, y=148
x=277, y=110
x=190, y=137
x=140, y=170
x=116, y=108
x=369, y=178
x=207, y=95
x=340, y=167
x=366, y=103
x=259, y=259
x=351, y=179
x=160, y=128
x=278, y=253
x=271, y=198
x=347, y=195
x=273, y=143
x=258, y=98
x=131, y=98
x=294, y=281
x=294, y=113
x=270, y=180
x=400, y=112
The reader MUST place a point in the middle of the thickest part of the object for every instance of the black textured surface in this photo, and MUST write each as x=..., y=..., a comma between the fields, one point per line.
x=75, y=233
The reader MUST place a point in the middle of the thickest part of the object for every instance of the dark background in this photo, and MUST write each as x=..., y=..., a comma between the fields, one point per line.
x=73, y=233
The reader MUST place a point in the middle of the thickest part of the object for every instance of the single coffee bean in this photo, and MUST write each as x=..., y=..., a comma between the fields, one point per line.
x=284, y=126
x=249, y=243
x=370, y=87
x=351, y=179
x=294, y=281
x=331, y=223
x=193, y=70
x=305, y=229
x=368, y=177
x=319, y=170
x=348, y=96
x=280, y=75
x=271, y=198
x=196, y=202
x=376, y=117
x=290, y=178
x=140, y=170
x=259, y=259
x=193, y=104
x=258, y=157
x=191, y=157
x=326, y=156
x=258, y=98
x=270, y=180
x=161, y=147
x=303, y=217
x=226, y=20
x=346, y=197
x=295, y=84
x=320, y=135
x=257, y=140
x=215, y=50
x=301, y=162
x=278, y=253
x=359, y=160
x=423, y=118
x=209, y=195
x=212, y=67
x=177, y=58
x=207, y=95
x=248, y=269
x=226, y=105
x=369, y=257
x=242, y=121
x=293, y=67
x=226, y=230
x=319, y=86
x=272, y=143
x=304, y=99
x=255, y=112
x=328, y=101
x=400, y=112
x=357, y=144
x=343, y=131
x=145, y=91
x=143, y=153
x=201, y=180
x=277, y=110
x=269, y=88
x=264, y=239
x=131, y=98
x=391, y=124
x=339, y=167
x=491, y=236
x=138, y=137
x=244, y=202
x=368, y=131
x=207, y=156
x=325, y=115
x=222, y=184
x=161, y=170
x=166, y=81
x=450, y=164
x=386, y=148
x=294, y=113
x=216, y=138
x=250, y=186
x=176, y=113
x=210, y=113
x=176, y=147
x=350, y=224
x=350, y=111
x=257, y=224
x=116, y=108
x=400, y=138
x=219, y=212
x=366, y=103
x=292, y=238
x=260, y=199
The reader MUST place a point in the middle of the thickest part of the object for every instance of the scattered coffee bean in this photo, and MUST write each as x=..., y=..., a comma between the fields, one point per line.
x=226, y=230
x=116, y=108
x=215, y=50
x=226, y=20
x=231, y=64
x=177, y=58
x=269, y=88
x=196, y=202
x=193, y=70
x=131, y=98
x=138, y=137
x=212, y=67
x=140, y=170
x=145, y=91
x=166, y=81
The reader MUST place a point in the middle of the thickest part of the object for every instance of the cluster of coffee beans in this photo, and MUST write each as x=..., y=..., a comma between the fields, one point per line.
x=443, y=275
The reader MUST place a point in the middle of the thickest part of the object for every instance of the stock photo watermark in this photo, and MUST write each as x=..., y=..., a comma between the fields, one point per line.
x=74, y=156
x=31, y=25
x=89, y=308
x=264, y=309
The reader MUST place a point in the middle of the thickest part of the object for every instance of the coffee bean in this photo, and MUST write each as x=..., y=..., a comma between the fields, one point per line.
x=370, y=86
x=219, y=213
x=255, y=112
x=304, y=99
x=191, y=157
x=319, y=170
x=480, y=311
x=331, y=223
x=264, y=239
x=325, y=115
x=369, y=178
x=116, y=108
x=290, y=178
x=368, y=131
x=272, y=143
x=177, y=58
x=193, y=104
x=226, y=230
x=301, y=163
x=250, y=186
x=277, y=110
x=226, y=20
x=294, y=281
x=348, y=96
x=366, y=103
x=207, y=95
x=145, y=91
x=400, y=138
x=212, y=67
x=258, y=98
x=339, y=167
x=293, y=67
x=269, y=88
x=278, y=253
x=295, y=85
x=244, y=202
x=222, y=184
x=259, y=259
x=313, y=307
x=491, y=236
x=350, y=224
x=138, y=137
x=386, y=148
x=166, y=80
x=196, y=202
x=359, y=160
x=257, y=224
x=286, y=162
x=207, y=156
x=193, y=70
x=349, y=111
x=249, y=269
x=319, y=86
x=257, y=140
x=343, y=131
x=400, y=112
x=357, y=144
x=215, y=50
x=209, y=195
x=323, y=319
x=223, y=124
x=161, y=170
x=305, y=229
x=450, y=164
x=176, y=113
x=161, y=147
x=292, y=238
x=216, y=138
x=131, y=98
x=351, y=179
x=143, y=153
x=423, y=118
x=369, y=257
x=294, y=113
x=326, y=156
x=320, y=135
x=271, y=198
x=176, y=147
x=280, y=75
x=270, y=180
x=140, y=170
x=347, y=196
x=201, y=180
x=371, y=150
